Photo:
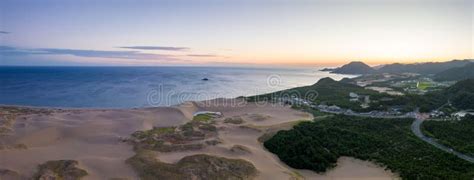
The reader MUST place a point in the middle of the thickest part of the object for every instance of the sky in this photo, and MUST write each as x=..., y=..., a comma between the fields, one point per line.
x=234, y=32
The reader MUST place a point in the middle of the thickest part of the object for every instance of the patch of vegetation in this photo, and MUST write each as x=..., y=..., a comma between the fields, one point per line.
x=317, y=146
x=25, y=110
x=423, y=85
x=240, y=149
x=10, y=175
x=175, y=141
x=14, y=146
x=61, y=169
x=156, y=131
x=458, y=135
x=205, y=118
x=148, y=167
x=20, y=146
x=190, y=136
x=234, y=120
x=258, y=117
x=191, y=167
x=207, y=127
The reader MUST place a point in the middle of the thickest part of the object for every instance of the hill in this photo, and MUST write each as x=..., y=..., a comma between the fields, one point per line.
x=461, y=94
x=456, y=74
x=358, y=67
x=423, y=68
x=355, y=67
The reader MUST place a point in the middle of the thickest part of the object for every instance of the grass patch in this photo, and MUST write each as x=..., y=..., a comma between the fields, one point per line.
x=204, y=118
x=61, y=169
x=191, y=167
x=422, y=85
x=189, y=136
x=10, y=174
x=234, y=120
x=156, y=131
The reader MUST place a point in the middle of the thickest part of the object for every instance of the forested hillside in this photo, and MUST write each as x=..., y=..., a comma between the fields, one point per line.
x=317, y=146
x=458, y=135
x=456, y=74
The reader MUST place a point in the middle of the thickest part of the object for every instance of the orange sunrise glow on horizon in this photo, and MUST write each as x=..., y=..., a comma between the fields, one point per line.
x=245, y=32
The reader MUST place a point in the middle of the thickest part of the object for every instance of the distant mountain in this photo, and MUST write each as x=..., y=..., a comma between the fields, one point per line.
x=358, y=67
x=423, y=68
x=456, y=74
x=355, y=67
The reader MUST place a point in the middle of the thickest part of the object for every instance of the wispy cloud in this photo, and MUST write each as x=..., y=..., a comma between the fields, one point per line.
x=6, y=48
x=202, y=55
x=167, y=48
x=13, y=51
x=106, y=54
x=4, y=32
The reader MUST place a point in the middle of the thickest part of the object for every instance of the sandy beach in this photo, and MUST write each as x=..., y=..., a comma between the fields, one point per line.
x=95, y=138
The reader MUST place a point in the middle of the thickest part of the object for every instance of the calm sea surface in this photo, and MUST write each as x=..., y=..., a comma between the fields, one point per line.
x=126, y=87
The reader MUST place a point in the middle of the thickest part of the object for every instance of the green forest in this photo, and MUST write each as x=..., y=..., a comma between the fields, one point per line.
x=317, y=146
x=458, y=135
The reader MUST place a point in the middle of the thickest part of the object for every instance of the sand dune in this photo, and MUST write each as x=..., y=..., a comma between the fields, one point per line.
x=95, y=139
x=90, y=136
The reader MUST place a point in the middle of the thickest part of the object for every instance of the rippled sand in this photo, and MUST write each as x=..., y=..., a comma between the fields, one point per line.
x=93, y=138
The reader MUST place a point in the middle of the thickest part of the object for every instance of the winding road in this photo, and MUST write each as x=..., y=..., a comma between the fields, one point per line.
x=415, y=128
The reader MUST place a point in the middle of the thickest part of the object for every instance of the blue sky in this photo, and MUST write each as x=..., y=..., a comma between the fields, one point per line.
x=210, y=32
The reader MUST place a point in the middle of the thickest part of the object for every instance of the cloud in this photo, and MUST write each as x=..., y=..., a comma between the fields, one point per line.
x=167, y=48
x=4, y=32
x=105, y=54
x=6, y=48
x=12, y=51
x=202, y=55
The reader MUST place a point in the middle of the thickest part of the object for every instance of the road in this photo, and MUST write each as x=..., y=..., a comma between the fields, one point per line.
x=415, y=128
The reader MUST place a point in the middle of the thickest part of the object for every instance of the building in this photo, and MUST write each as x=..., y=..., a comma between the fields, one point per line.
x=462, y=114
x=353, y=97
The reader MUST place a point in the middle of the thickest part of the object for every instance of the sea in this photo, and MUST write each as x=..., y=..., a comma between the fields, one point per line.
x=133, y=87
